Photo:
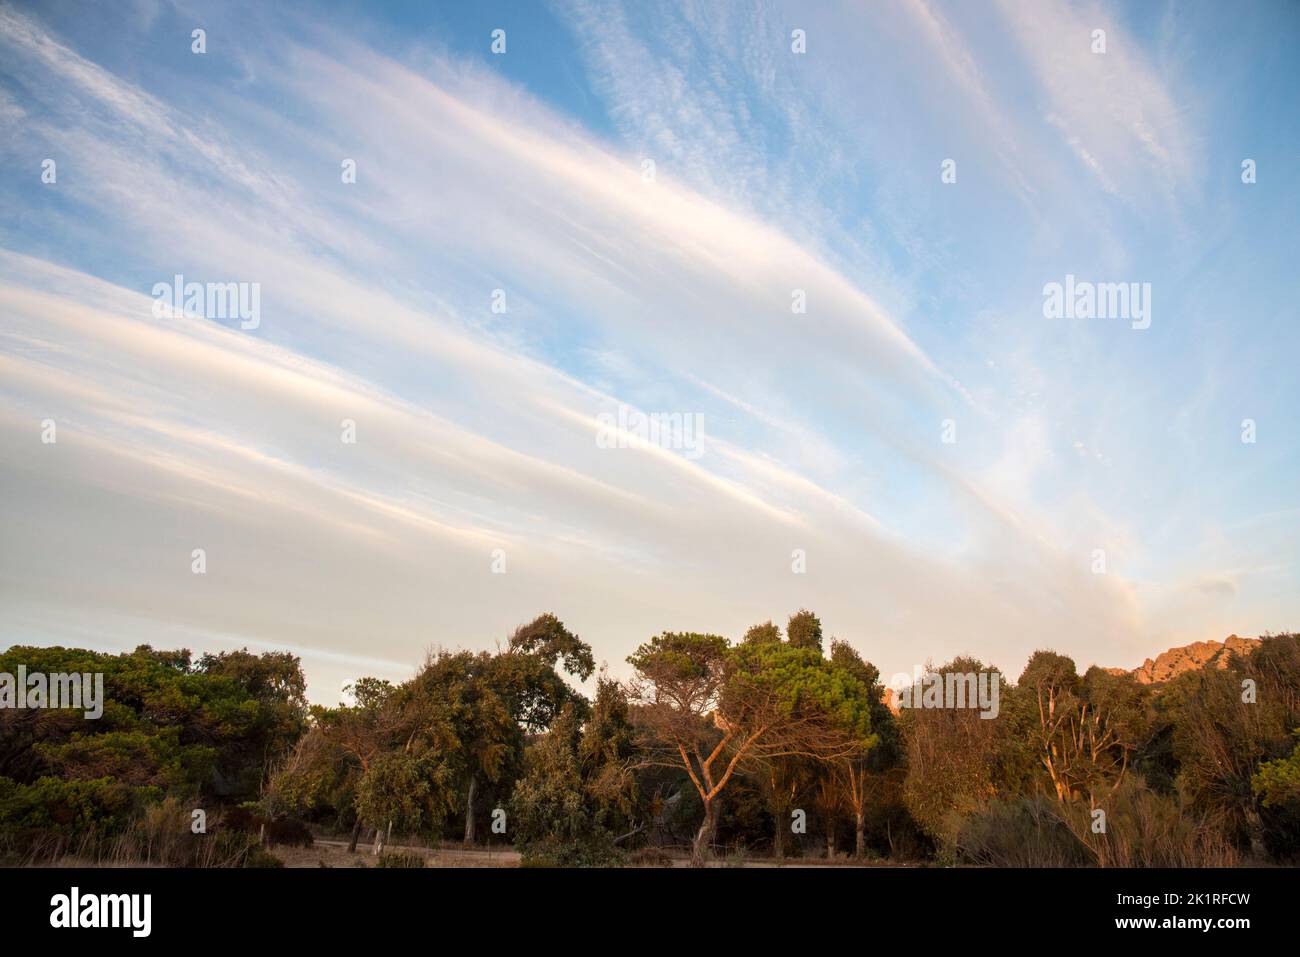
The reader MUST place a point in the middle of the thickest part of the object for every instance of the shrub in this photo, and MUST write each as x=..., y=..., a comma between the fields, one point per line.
x=1147, y=829
x=260, y=857
x=553, y=852
x=1019, y=832
x=102, y=805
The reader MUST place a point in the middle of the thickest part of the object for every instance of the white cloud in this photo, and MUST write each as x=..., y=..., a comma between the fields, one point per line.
x=475, y=431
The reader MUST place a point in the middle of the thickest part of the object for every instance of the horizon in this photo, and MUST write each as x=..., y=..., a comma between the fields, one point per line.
x=797, y=361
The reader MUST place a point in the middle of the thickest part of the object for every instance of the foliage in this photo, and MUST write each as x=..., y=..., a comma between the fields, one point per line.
x=1278, y=782
x=953, y=758
x=576, y=786
x=1221, y=735
x=260, y=857
x=707, y=708
x=709, y=745
x=1019, y=832
x=206, y=729
x=71, y=806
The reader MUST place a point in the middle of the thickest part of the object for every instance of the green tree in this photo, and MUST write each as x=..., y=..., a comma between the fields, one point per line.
x=573, y=789
x=497, y=700
x=861, y=776
x=706, y=707
x=1277, y=782
x=766, y=632
x=1085, y=730
x=200, y=731
x=804, y=630
x=953, y=758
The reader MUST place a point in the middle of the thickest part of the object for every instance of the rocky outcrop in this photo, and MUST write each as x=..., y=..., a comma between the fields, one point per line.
x=1199, y=654
x=1165, y=666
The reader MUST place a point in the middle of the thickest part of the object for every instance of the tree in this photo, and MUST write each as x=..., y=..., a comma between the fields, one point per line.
x=410, y=789
x=1278, y=782
x=857, y=777
x=1087, y=730
x=1277, y=786
x=1226, y=723
x=766, y=632
x=274, y=680
x=606, y=755
x=549, y=806
x=337, y=754
x=208, y=730
x=953, y=758
x=546, y=640
x=706, y=707
x=1049, y=684
x=478, y=708
x=779, y=780
x=575, y=787
x=804, y=630
x=478, y=700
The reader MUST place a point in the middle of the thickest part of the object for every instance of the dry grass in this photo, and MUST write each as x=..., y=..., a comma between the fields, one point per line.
x=327, y=853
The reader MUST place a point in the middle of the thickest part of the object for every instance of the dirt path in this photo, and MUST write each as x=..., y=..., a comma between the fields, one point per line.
x=329, y=853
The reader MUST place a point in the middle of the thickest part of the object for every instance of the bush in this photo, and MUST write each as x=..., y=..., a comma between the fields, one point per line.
x=1142, y=829
x=102, y=805
x=552, y=852
x=1147, y=829
x=1019, y=832
x=1277, y=786
x=260, y=857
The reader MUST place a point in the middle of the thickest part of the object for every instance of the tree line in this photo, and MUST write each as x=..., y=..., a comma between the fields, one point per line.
x=777, y=744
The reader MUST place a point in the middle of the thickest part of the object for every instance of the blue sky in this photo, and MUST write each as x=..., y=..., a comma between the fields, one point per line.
x=774, y=171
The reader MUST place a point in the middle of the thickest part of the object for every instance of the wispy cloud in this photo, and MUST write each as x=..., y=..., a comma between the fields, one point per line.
x=477, y=430
x=1111, y=106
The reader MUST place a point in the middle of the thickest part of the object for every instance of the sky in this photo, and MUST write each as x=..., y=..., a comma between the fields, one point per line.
x=820, y=233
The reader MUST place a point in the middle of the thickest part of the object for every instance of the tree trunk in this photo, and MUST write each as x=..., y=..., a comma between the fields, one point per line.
x=469, y=810
x=860, y=835
x=379, y=841
x=704, y=837
x=830, y=837
x=778, y=835
x=356, y=836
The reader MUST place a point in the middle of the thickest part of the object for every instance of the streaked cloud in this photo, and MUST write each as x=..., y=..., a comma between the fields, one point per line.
x=477, y=431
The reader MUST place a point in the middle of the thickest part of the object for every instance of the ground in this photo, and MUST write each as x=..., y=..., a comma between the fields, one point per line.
x=326, y=853
x=334, y=853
